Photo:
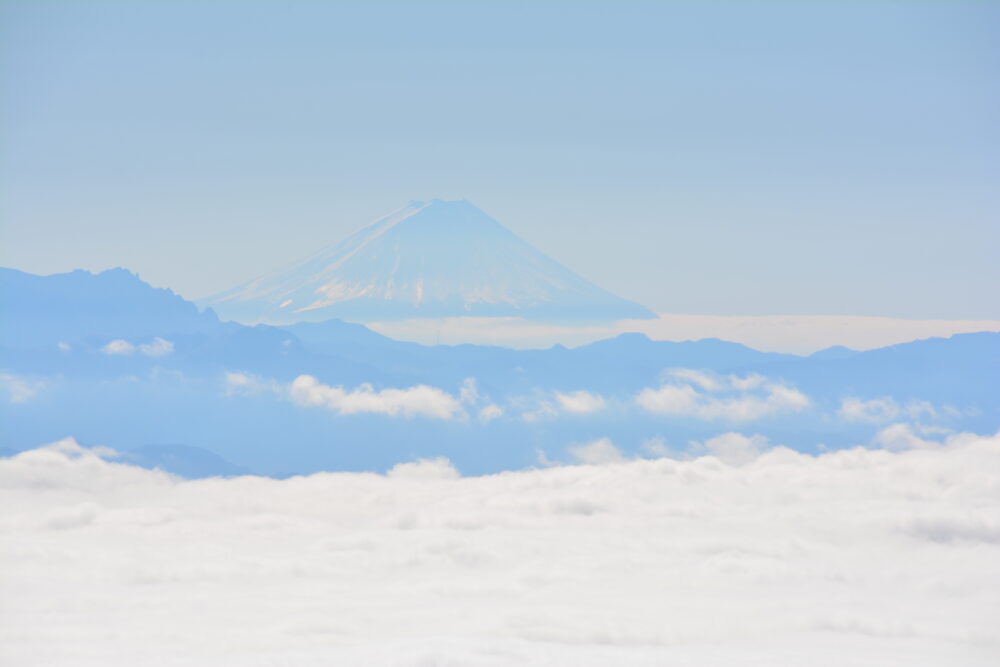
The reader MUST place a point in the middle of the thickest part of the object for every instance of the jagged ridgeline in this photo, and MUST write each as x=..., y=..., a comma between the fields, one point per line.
x=426, y=260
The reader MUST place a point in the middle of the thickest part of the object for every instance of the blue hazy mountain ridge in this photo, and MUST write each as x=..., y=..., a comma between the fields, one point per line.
x=623, y=362
x=117, y=303
x=41, y=311
x=124, y=400
x=834, y=352
x=84, y=312
x=182, y=460
x=426, y=260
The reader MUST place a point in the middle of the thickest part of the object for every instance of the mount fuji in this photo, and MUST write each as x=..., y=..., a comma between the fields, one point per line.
x=426, y=260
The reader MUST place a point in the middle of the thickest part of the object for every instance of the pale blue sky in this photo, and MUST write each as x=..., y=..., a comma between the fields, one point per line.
x=698, y=157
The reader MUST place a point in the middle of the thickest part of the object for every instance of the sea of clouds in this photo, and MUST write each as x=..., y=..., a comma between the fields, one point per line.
x=742, y=555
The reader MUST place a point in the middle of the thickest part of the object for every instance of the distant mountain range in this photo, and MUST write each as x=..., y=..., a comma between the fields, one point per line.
x=41, y=311
x=426, y=260
x=110, y=360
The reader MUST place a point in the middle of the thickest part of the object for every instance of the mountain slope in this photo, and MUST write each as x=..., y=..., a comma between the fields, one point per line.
x=428, y=259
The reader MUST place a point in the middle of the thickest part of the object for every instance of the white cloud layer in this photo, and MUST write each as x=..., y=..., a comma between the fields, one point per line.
x=703, y=395
x=867, y=556
x=159, y=347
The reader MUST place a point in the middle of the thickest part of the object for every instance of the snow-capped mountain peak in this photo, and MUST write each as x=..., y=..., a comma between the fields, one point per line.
x=427, y=259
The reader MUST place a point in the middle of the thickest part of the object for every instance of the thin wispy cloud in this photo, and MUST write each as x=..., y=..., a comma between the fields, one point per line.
x=19, y=389
x=490, y=412
x=883, y=409
x=158, y=347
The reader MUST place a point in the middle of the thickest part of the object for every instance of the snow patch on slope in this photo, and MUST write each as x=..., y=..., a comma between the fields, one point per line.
x=428, y=259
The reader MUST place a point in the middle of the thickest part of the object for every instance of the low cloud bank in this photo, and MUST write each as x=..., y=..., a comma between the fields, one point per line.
x=416, y=401
x=158, y=347
x=684, y=393
x=580, y=402
x=708, y=396
x=419, y=400
x=741, y=556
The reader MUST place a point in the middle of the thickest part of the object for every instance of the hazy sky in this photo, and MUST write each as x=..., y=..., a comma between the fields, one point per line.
x=698, y=157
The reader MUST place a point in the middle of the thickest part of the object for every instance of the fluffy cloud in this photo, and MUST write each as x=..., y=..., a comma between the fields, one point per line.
x=247, y=384
x=420, y=400
x=707, y=396
x=875, y=410
x=118, y=347
x=900, y=437
x=533, y=408
x=424, y=469
x=417, y=401
x=545, y=405
x=655, y=447
x=786, y=559
x=598, y=452
x=701, y=379
x=490, y=412
x=733, y=448
x=579, y=402
x=158, y=347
